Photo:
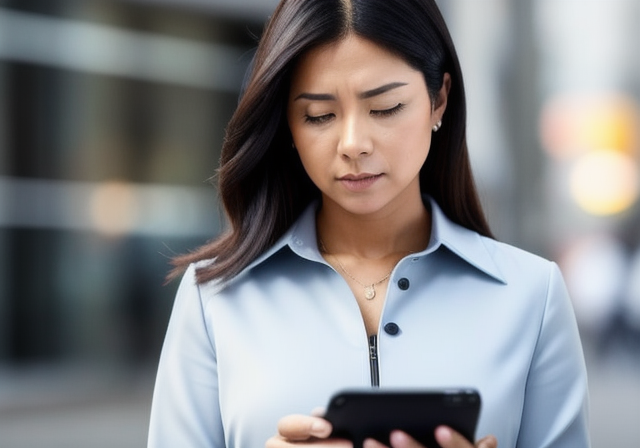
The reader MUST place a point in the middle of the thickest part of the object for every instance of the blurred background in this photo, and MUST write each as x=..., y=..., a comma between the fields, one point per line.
x=112, y=114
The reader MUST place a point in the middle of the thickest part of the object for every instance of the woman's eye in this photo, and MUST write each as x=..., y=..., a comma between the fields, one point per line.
x=388, y=112
x=319, y=119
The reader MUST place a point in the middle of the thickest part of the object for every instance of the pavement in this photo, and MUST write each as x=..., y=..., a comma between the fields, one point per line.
x=74, y=407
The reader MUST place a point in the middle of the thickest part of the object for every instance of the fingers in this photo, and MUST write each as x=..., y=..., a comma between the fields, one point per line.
x=448, y=438
x=294, y=429
x=401, y=439
x=303, y=427
x=487, y=442
x=373, y=443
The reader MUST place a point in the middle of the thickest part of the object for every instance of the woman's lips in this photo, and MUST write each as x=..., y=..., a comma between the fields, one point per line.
x=359, y=182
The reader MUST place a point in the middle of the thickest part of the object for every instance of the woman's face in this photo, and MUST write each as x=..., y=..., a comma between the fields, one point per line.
x=361, y=120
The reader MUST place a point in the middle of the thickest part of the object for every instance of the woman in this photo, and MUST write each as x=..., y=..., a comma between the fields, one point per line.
x=358, y=253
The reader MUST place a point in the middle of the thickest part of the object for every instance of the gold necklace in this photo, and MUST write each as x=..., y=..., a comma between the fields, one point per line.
x=369, y=289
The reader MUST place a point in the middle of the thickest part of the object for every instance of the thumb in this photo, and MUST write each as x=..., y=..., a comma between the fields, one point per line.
x=303, y=427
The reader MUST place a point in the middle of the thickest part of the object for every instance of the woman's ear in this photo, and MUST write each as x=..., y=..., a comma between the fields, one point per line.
x=440, y=103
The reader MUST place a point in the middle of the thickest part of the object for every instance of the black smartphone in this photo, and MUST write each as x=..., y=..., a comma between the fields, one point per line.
x=359, y=414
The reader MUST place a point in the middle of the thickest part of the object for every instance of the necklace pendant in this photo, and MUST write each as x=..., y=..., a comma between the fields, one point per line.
x=369, y=292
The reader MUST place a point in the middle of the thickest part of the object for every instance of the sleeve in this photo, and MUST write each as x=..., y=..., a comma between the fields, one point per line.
x=555, y=411
x=185, y=411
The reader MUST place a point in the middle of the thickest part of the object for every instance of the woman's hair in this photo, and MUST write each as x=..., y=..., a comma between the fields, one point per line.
x=261, y=181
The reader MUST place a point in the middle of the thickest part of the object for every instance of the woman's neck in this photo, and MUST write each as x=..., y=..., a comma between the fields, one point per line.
x=402, y=231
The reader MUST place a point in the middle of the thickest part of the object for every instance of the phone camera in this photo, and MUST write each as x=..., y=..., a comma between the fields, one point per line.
x=340, y=401
x=453, y=399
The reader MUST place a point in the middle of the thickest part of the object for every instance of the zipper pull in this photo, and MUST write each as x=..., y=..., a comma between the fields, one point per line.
x=373, y=361
x=373, y=349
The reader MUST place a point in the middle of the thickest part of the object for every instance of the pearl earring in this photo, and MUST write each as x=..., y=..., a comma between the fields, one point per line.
x=437, y=126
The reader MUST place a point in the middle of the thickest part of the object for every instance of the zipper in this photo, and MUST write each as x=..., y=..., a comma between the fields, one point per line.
x=373, y=361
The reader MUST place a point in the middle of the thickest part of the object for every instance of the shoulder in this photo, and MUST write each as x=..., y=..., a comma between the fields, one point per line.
x=294, y=248
x=530, y=278
x=504, y=262
x=514, y=259
x=518, y=264
x=192, y=293
x=278, y=262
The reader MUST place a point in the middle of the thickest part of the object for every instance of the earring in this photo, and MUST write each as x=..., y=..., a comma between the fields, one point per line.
x=437, y=126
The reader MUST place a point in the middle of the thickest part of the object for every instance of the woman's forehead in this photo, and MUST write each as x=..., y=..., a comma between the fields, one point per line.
x=353, y=57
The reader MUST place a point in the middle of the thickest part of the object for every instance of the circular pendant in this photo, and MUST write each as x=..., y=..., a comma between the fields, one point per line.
x=369, y=292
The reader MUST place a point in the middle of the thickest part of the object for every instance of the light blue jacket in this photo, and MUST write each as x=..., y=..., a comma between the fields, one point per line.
x=286, y=334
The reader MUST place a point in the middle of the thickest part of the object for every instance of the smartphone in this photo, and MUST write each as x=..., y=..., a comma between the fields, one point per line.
x=359, y=414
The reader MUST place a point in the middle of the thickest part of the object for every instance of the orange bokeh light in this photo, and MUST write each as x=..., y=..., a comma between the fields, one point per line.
x=573, y=125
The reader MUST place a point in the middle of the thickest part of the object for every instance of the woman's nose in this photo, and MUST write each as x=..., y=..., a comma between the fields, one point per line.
x=355, y=140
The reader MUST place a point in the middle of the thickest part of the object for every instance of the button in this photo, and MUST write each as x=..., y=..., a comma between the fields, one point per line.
x=403, y=284
x=391, y=329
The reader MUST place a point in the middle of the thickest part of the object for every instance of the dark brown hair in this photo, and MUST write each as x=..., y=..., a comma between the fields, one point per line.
x=261, y=181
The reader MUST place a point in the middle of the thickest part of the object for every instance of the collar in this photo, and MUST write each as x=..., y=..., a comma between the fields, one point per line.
x=467, y=244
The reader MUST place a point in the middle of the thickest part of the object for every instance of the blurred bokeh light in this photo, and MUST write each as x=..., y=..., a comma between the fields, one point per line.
x=598, y=137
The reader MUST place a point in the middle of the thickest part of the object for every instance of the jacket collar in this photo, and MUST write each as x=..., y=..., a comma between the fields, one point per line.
x=466, y=244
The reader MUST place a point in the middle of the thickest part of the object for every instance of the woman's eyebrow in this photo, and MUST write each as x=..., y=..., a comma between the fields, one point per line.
x=380, y=90
x=363, y=96
x=315, y=97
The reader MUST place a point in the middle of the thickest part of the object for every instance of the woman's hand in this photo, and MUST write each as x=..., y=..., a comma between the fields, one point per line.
x=300, y=430
x=446, y=437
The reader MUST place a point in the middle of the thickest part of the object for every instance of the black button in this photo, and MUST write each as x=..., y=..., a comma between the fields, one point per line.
x=392, y=329
x=403, y=284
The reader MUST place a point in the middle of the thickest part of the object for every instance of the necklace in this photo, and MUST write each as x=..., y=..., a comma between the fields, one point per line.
x=369, y=289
